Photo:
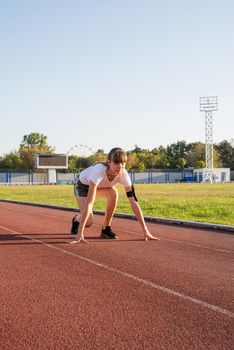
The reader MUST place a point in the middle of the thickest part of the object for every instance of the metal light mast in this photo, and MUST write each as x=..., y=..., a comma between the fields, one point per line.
x=209, y=105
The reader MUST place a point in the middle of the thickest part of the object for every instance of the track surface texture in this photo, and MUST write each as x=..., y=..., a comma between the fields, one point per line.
x=176, y=293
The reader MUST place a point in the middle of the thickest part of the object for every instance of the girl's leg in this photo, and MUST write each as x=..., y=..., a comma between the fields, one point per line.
x=112, y=196
x=81, y=201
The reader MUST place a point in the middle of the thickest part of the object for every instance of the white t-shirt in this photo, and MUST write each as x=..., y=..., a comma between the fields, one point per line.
x=97, y=174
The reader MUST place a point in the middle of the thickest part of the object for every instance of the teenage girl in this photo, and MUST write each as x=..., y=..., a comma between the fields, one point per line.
x=100, y=179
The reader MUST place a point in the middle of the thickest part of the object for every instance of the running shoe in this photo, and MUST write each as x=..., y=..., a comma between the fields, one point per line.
x=108, y=233
x=75, y=226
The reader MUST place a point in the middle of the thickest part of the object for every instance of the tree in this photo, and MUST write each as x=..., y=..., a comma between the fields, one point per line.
x=99, y=156
x=31, y=144
x=131, y=162
x=200, y=164
x=34, y=140
x=196, y=156
x=177, y=154
x=226, y=153
x=72, y=165
x=11, y=161
x=162, y=161
x=216, y=158
x=135, y=161
x=137, y=149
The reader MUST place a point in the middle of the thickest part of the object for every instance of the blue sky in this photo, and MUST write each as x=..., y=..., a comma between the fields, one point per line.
x=107, y=73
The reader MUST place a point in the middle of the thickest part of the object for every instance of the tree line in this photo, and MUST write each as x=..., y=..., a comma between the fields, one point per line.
x=178, y=155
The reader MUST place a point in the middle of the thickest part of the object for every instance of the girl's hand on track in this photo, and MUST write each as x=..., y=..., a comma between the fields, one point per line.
x=79, y=240
x=149, y=236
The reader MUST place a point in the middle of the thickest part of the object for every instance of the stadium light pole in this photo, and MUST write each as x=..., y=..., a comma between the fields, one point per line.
x=208, y=105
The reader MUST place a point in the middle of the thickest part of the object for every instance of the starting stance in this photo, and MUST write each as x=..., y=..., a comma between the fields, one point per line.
x=100, y=179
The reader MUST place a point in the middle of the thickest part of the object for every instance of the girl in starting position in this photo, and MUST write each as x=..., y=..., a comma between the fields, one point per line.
x=100, y=179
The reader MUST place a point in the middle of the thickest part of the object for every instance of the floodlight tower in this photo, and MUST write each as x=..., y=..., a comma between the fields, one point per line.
x=209, y=105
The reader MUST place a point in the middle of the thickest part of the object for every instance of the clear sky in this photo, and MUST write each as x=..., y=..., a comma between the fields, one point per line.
x=108, y=73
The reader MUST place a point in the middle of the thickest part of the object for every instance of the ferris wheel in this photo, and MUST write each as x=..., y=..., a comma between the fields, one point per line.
x=80, y=150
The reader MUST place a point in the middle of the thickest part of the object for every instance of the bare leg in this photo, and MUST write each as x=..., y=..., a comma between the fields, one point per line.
x=112, y=196
x=81, y=201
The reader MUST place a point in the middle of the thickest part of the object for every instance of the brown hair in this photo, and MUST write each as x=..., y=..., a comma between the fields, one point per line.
x=117, y=155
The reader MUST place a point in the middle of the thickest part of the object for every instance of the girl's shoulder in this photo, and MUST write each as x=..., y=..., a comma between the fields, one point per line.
x=99, y=166
x=124, y=173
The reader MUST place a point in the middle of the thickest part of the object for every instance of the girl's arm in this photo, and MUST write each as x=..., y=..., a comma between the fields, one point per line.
x=138, y=213
x=86, y=213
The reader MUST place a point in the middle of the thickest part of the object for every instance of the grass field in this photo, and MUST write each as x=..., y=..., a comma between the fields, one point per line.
x=212, y=203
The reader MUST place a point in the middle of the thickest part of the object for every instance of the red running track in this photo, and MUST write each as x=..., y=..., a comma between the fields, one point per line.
x=176, y=293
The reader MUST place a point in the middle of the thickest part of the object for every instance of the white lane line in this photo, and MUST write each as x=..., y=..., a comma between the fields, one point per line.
x=130, y=276
x=181, y=242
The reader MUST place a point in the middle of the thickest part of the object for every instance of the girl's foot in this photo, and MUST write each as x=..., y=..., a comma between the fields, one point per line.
x=108, y=233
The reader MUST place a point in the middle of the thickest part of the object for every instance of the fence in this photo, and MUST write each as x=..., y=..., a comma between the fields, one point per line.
x=138, y=178
x=162, y=176
x=30, y=178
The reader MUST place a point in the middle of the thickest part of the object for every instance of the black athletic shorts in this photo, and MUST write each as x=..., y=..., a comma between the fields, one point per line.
x=81, y=189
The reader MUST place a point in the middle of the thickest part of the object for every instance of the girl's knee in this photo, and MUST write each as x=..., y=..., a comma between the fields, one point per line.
x=88, y=224
x=114, y=193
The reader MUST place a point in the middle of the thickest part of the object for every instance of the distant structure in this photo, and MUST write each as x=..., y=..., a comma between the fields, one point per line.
x=209, y=174
x=80, y=150
x=209, y=105
x=51, y=162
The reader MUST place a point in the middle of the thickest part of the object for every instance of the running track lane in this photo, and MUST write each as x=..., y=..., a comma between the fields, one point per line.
x=122, y=294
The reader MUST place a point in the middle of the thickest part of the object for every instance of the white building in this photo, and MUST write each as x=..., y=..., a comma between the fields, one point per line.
x=219, y=175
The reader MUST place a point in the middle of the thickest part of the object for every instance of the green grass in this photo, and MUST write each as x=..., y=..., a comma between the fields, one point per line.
x=212, y=203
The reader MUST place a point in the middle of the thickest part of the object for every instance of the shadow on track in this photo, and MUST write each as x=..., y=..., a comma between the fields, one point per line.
x=11, y=239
